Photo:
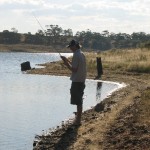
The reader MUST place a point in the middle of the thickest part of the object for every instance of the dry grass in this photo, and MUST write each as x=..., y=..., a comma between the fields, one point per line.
x=135, y=60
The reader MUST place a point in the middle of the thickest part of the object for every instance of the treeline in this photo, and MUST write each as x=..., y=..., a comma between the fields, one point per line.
x=56, y=36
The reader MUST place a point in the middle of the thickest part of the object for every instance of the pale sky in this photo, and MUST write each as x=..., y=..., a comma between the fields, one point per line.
x=125, y=16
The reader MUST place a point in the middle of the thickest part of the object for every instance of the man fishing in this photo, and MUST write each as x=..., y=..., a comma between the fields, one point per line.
x=78, y=76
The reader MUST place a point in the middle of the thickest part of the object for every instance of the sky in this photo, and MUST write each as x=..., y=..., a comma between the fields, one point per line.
x=116, y=16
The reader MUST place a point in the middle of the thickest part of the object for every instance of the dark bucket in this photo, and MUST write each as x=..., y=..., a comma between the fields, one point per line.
x=25, y=66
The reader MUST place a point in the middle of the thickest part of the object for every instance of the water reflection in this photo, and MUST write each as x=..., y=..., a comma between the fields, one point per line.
x=98, y=92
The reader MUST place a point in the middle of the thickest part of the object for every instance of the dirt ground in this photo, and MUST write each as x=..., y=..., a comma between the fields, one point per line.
x=120, y=122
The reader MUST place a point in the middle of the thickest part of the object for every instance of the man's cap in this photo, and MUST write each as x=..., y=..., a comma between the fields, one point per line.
x=73, y=43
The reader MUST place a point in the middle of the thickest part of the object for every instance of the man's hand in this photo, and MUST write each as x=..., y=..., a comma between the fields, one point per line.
x=66, y=62
x=64, y=58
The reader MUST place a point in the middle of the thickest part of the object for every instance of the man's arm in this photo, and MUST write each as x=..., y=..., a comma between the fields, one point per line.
x=68, y=64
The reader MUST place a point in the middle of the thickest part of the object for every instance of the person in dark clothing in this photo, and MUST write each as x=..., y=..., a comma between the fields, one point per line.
x=78, y=77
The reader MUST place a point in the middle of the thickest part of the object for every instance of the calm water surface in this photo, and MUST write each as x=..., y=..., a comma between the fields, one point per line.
x=32, y=103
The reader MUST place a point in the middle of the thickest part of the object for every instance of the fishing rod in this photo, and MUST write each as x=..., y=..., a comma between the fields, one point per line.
x=38, y=22
x=43, y=29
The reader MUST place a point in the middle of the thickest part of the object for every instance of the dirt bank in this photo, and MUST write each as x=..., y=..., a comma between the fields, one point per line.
x=112, y=124
x=30, y=48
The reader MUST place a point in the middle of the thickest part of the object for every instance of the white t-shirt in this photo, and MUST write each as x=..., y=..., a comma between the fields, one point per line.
x=79, y=62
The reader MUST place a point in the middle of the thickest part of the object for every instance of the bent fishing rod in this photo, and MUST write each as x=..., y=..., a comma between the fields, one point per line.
x=42, y=29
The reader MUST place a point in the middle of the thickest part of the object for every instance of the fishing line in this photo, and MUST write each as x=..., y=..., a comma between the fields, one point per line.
x=42, y=28
x=38, y=22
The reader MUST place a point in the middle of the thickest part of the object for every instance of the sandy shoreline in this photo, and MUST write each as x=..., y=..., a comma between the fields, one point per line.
x=98, y=122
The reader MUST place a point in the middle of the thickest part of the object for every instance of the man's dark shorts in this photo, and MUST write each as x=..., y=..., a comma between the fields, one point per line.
x=77, y=91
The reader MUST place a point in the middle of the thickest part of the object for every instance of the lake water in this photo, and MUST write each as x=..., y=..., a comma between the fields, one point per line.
x=30, y=104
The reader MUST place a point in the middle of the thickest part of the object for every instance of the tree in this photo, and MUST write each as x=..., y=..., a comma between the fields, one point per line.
x=10, y=37
x=68, y=33
x=40, y=32
x=54, y=32
x=105, y=33
x=14, y=30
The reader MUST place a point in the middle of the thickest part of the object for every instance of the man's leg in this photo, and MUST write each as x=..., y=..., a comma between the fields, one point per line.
x=79, y=113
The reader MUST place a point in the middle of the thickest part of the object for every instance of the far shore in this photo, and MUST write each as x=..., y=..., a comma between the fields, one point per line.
x=31, y=48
